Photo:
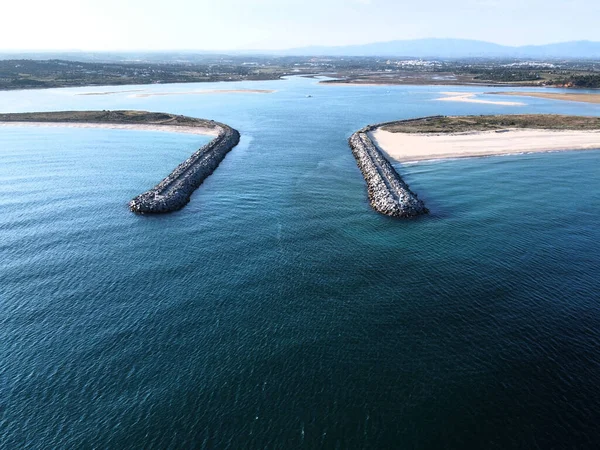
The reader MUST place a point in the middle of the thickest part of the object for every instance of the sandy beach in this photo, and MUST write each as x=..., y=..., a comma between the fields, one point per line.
x=138, y=127
x=471, y=97
x=406, y=147
x=564, y=96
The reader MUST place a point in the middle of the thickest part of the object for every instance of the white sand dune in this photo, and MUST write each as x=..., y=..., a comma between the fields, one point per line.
x=418, y=147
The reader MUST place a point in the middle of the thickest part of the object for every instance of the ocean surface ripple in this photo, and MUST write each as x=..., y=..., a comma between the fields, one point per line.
x=277, y=310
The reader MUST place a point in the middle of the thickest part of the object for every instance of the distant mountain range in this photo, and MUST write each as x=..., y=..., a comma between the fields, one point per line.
x=455, y=48
x=417, y=48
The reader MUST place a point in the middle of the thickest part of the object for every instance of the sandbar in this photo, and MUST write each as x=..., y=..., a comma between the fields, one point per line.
x=470, y=97
x=206, y=92
x=405, y=147
x=564, y=96
x=110, y=92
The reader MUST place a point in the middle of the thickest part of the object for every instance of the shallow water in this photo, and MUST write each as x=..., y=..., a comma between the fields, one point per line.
x=277, y=310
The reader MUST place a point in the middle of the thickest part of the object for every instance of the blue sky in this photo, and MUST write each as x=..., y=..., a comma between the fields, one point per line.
x=275, y=24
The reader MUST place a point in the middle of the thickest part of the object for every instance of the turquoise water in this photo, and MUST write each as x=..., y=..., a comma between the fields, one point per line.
x=277, y=310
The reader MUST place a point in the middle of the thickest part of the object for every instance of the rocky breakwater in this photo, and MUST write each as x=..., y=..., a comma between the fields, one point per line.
x=174, y=192
x=388, y=193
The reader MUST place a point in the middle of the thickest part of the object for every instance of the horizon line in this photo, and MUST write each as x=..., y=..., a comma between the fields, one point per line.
x=274, y=50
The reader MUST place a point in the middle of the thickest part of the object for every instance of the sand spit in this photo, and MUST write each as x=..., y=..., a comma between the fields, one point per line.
x=564, y=96
x=116, y=126
x=110, y=92
x=172, y=193
x=206, y=92
x=405, y=147
x=471, y=97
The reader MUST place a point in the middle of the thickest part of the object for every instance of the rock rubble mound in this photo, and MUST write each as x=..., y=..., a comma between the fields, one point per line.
x=388, y=193
x=174, y=192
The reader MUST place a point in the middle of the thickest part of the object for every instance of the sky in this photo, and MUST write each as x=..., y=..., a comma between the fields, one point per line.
x=111, y=25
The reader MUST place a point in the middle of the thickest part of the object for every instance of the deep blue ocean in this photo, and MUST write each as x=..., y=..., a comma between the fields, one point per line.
x=278, y=310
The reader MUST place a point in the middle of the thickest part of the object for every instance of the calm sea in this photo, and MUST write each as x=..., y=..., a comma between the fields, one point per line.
x=277, y=310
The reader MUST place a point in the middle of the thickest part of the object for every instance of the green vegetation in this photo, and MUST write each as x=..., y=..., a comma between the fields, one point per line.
x=32, y=74
x=554, y=95
x=109, y=117
x=524, y=73
x=475, y=71
x=462, y=124
x=28, y=74
x=508, y=76
x=589, y=81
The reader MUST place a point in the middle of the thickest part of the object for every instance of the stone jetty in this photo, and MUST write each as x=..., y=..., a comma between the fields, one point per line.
x=174, y=192
x=388, y=193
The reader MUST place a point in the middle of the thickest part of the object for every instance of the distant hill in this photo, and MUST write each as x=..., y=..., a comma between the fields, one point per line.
x=417, y=48
x=456, y=48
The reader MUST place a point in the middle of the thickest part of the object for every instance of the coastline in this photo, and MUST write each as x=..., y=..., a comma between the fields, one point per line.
x=204, y=92
x=388, y=193
x=346, y=83
x=413, y=147
x=428, y=82
x=470, y=97
x=174, y=191
x=115, y=126
x=562, y=96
